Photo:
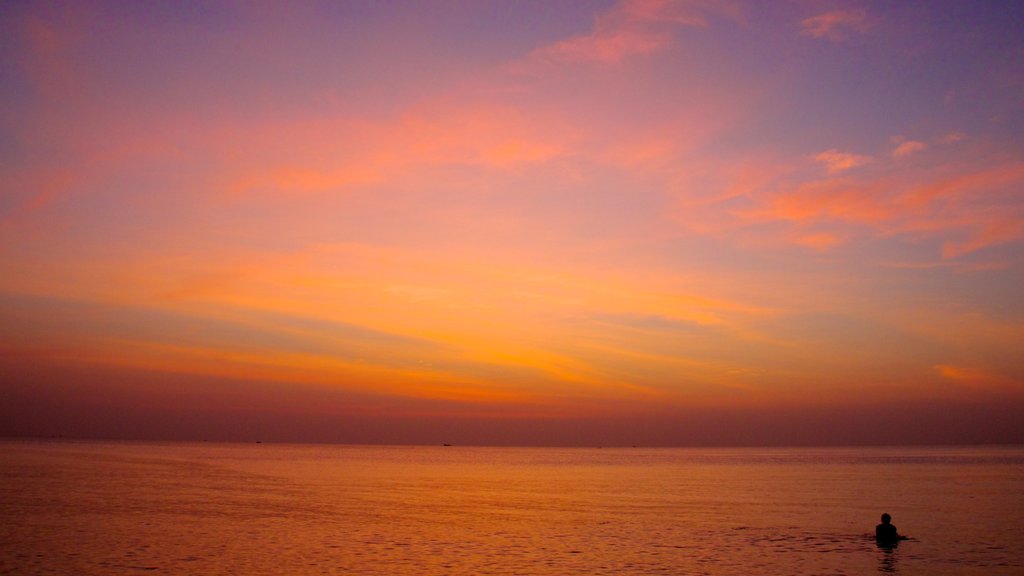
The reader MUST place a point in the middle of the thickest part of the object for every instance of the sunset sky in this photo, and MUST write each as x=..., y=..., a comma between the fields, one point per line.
x=530, y=222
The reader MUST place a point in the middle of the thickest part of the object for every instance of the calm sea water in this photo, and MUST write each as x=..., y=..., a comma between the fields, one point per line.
x=120, y=508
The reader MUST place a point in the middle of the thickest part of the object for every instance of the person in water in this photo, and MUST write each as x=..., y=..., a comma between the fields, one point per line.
x=886, y=534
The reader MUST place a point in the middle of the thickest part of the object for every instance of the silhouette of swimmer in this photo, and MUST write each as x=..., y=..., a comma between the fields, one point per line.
x=885, y=533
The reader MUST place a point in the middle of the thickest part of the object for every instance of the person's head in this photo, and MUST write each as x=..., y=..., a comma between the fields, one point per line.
x=886, y=518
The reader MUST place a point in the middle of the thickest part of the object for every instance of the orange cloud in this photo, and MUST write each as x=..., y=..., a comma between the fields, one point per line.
x=830, y=199
x=294, y=180
x=820, y=242
x=975, y=377
x=487, y=324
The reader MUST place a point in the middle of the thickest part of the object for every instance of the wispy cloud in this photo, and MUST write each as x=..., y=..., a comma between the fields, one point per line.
x=962, y=211
x=312, y=157
x=633, y=28
x=952, y=138
x=984, y=232
x=907, y=147
x=820, y=241
x=976, y=377
x=835, y=25
x=607, y=46
x=654, y=204
x=836, y=161
x=836, y=200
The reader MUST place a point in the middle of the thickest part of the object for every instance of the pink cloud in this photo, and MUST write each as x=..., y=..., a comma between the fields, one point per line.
x=952, y=138
x=834, y=25
x=983, y=233
x=607, y=47
x=963, y=211
x=836, y=161
x=965, y=184
x=632, y=28
x=908, y=147
x=685, y=12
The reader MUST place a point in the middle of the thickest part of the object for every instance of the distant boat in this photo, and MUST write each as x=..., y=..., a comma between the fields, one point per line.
x=446, y=444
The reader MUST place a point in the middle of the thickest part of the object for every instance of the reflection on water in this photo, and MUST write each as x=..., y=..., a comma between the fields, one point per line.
x=887, y=559
x=267, y=509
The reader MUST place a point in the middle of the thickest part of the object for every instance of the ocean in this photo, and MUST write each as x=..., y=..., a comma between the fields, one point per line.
x=207, y=508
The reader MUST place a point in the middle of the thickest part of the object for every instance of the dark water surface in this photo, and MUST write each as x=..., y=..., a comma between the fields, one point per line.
x=128, y=508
